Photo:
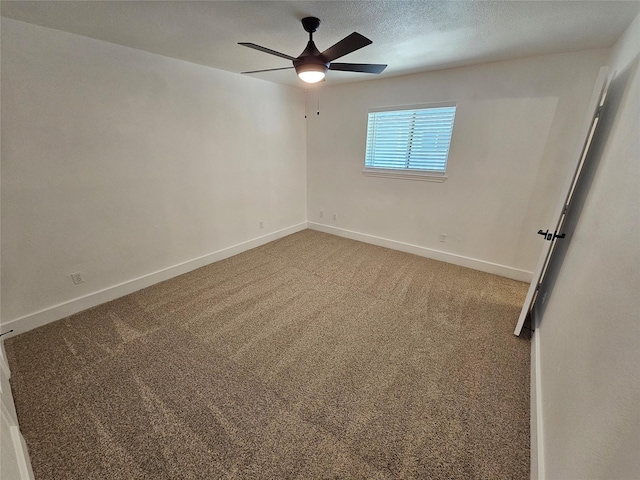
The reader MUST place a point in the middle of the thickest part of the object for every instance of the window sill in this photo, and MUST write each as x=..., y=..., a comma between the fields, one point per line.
x=405, y=175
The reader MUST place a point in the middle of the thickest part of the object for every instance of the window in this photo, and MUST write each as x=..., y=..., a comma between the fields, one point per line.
x=411, y=142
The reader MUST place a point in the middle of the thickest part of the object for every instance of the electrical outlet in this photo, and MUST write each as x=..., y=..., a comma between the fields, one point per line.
x=443, y=237
x=335, y=216
x=77, y=278
x=261, y=224
x=321, y=214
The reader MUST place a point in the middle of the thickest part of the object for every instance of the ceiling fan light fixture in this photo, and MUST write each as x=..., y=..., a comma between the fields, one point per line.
x=311, y=73
x=311, y=77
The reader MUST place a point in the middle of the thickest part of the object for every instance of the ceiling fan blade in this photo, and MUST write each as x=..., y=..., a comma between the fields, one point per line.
x=348, y=44
x=358, y=67
x=268, y=70
x=266, y=50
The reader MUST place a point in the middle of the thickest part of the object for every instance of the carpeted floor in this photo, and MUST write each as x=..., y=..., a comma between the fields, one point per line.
x=311, y=357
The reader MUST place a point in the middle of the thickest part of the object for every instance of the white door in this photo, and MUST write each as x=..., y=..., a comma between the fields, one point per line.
x=550, y=237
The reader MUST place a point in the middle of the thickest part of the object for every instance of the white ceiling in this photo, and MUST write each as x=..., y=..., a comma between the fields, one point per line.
x=409, y=36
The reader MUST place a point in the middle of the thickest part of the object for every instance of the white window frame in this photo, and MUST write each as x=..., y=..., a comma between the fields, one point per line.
x=409, y=174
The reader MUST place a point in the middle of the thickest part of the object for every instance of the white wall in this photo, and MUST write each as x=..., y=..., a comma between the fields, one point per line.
x=118, y=163
x=589, y=336
x=514, y=139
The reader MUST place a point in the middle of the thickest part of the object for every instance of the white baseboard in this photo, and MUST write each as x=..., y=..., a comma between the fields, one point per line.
x=537, y=439
x=18, y=464
x=22, y=454
x=62, y=310
x=483, y=266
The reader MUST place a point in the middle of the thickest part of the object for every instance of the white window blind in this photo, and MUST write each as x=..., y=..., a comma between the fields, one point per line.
x=415, y=139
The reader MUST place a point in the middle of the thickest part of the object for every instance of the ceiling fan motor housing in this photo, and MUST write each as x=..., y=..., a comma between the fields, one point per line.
x=310, y=59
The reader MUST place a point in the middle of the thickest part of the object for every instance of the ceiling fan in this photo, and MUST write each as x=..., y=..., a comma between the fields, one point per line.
x=311, y=65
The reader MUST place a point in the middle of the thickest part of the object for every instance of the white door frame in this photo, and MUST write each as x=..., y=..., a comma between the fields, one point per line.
x=15, y=462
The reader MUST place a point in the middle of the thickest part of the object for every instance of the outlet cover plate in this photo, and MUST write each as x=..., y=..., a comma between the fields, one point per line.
x=77, y=278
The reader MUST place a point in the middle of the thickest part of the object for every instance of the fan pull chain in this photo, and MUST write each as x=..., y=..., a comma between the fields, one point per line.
x=305, y=101
x=318, y=90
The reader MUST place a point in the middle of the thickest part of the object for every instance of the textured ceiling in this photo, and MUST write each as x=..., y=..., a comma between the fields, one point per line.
x=409, y=36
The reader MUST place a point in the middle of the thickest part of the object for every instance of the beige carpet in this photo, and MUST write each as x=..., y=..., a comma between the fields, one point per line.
x=310, y=357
